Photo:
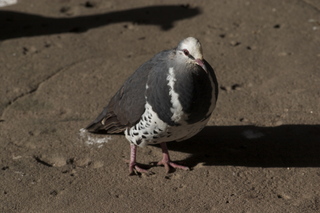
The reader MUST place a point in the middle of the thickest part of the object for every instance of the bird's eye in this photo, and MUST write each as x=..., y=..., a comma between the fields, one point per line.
x=186, y=52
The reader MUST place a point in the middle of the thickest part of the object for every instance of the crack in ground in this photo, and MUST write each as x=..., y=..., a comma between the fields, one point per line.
x=33, y=90
x=311, y=5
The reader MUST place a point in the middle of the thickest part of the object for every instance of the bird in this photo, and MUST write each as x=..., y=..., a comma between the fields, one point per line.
x=168, y=98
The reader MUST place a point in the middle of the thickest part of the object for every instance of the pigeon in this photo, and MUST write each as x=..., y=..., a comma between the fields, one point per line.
x=168, y=98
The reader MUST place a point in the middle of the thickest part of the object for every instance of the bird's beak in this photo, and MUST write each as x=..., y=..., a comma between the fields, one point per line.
x=201, y=64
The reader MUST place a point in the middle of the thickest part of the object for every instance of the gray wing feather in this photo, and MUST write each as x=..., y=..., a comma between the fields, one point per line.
x=128, y=104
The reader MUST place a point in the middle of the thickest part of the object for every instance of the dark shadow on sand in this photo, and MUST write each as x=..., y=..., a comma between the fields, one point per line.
x=282, y=146
x=16, y=24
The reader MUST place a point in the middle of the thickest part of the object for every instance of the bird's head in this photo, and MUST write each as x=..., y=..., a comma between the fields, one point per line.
x=189, y=49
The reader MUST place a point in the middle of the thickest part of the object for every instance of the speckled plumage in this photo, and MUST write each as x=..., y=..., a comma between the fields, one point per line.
x=168, y=98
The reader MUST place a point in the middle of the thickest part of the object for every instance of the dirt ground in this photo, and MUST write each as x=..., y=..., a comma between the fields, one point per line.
x=62, y=60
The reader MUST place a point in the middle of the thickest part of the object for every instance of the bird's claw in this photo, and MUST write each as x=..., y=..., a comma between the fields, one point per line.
x=135, y=169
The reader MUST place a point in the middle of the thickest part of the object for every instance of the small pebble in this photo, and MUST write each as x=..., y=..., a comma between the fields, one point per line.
x=278, y=123
x=97, y=164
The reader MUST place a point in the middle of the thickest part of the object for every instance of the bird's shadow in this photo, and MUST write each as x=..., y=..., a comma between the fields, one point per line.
x=17, y=24
x=251, y=146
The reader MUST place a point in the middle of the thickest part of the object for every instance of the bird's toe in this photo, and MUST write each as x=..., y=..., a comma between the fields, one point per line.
x=135, y=169
x=169, y=164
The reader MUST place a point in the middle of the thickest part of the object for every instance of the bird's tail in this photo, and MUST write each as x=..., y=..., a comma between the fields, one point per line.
x=97, y=124
x=106, y=122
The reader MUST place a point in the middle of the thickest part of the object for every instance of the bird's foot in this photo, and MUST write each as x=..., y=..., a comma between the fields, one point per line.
x=168, y=164
x=135, y=169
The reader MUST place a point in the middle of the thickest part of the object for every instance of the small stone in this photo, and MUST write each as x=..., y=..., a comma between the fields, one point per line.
x=277, y=26
x=278, y=123
x=54, y=193
x=28, y=50
x=236, y=87
x=16, y=157
x=282, y=54
x=90, y=4
x=55, y=161
x=58, y=161
x=243, y=120
x=83, y=162
x=235, y=43
x=129, y=26
x=226, y=88
x=64, y=9
x=97, y=164
x=200, y=165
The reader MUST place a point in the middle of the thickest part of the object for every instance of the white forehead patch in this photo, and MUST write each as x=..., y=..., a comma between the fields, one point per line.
x=193, y=46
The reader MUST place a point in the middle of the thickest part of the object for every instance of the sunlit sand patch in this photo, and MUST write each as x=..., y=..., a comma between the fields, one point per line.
x=93, y=140
x=4, y=3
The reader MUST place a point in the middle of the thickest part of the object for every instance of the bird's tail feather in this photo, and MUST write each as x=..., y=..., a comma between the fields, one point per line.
x=96, y=125
x=106, y=122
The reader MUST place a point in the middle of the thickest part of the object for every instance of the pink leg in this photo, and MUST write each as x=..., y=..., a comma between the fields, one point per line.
x=166, y=160
x=133, y=167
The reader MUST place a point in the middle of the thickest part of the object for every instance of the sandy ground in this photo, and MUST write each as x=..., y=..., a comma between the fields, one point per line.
x=61, y=61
